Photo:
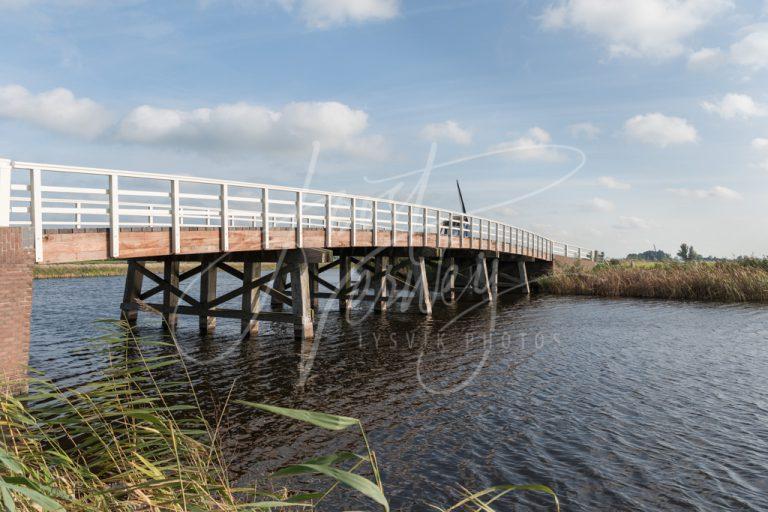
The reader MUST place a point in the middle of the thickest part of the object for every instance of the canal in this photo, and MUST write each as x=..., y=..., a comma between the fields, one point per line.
x=615, y=404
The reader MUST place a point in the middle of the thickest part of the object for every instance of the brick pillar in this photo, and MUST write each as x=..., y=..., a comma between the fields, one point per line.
x=17, y=257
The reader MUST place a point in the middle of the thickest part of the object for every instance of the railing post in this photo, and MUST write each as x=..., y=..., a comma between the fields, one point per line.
x=299, y=229
x=394, y=222
x=374, y=223
x=114, y=216
x=36, y=215
x=410, y=226
x=424, y=215
x=437, y=227
x=328, y=232
x=224, y=211
x=6, y=169
x=175, y=216
x=461, y=231
x=265, y=218
x=78, y=214
x=353, y=221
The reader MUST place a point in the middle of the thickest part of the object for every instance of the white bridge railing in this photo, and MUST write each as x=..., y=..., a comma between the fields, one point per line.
x=48, y=196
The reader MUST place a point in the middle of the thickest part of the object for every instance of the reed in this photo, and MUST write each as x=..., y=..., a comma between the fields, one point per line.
x=727, y=281
x=131, y=439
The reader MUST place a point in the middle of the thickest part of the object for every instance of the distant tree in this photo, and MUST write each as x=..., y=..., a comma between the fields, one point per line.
x=688, y=253
x=651, y=255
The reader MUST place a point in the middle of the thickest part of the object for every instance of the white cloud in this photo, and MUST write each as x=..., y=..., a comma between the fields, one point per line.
x=628, y=222
x=706, y=59
x=717, y=192
x=760, y=143
x=647, y=28
x=532, y=146
x=329, y=13
x=449, y=130
x=245, y=126
x=584, y=130
x=611, y=182
x=752, y=50
x=660, y=130
x=599, y=204
x=736, y=105
x=58, y=110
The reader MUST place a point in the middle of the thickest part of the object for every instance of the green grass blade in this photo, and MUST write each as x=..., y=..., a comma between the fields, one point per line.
x=356, y=482
x=319, y=419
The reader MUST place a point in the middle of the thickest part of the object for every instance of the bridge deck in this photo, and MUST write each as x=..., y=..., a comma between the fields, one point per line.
x=70, y=245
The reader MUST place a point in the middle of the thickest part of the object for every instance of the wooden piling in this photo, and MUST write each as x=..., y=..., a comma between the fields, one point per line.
x=449, y=281
x=300, y=296
x=482, y=285
x=170, y=299
x=133, y=282
x=523, y=274
x=278, y=285
x=249, y=326
x=493, y=279
x=314, y=286
x=345, y=281
x=208, y=275
x=421, y=285
x=381, y=265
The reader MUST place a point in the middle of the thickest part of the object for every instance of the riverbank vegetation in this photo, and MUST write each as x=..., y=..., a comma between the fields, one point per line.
x=743, y=280
x=99, y=269
x=133, y=439
x=92, y=269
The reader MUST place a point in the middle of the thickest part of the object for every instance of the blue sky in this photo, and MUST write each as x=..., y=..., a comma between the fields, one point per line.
x=666, y=99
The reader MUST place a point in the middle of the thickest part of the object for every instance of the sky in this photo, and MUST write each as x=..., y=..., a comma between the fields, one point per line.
x=621, y=125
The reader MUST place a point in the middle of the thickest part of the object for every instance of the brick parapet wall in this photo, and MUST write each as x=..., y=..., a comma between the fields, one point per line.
x=17, y=257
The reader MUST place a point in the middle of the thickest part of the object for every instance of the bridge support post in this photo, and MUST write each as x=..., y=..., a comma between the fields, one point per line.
x=493, y=279
x=170, y=299
x=208, y=275
x=133, y=282
x=345, y=281
x=421, y=285
x=249, y=326
x=482, y=285
x=300, y=296
x=380, y=285
x=278, y=285
x=448, y=280
x=314, y=286
x=523, y=275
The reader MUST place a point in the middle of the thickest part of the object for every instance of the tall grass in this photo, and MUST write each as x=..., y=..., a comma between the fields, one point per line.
x=129, y=440
x=731, y=281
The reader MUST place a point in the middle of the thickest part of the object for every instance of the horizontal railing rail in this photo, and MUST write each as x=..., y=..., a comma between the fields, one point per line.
x=31, y=195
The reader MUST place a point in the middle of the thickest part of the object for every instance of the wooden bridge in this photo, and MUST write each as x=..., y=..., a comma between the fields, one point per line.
x=383, y=249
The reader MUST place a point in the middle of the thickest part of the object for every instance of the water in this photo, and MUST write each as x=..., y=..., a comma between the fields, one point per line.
x=615, y=404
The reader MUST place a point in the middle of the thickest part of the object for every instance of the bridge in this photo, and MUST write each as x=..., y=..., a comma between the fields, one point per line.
x=56, y=213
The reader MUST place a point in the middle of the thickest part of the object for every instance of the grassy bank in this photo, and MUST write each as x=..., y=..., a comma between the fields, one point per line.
x=98, y=269
x=730, y=281
x=133, y=439
x=87, y=269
